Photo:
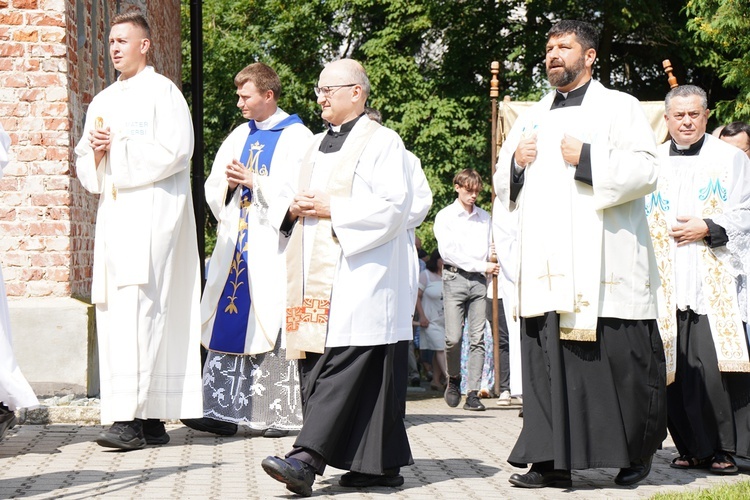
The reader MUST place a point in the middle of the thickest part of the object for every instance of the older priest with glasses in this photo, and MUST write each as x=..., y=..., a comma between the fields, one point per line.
x=349, y=298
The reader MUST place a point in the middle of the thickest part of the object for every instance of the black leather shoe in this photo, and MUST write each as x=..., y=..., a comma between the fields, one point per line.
x=297, y=475
x=637, y=471
x=211, y=425
x=7, y=419
x=354, y=479
x=534, y=479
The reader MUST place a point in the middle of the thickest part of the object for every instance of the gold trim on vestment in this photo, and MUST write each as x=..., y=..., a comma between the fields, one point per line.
x=579, y=334
x=308, y=303
x=724, y=314
x=666, y=323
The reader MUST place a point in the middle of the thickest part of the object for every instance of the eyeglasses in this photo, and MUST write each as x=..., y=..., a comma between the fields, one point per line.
x=327, y=91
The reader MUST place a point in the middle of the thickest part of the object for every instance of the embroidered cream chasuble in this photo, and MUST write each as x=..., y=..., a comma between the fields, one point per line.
x=584, y=251
x=708, y=185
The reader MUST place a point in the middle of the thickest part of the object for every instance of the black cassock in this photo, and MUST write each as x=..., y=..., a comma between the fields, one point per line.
x=351, y=414
x=591, y=404
x=708, y=410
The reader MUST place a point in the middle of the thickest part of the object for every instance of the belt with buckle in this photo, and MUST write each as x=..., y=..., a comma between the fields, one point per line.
x=460, y=271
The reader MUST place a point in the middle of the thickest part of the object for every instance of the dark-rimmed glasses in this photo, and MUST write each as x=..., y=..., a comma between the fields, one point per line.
x=327, y=90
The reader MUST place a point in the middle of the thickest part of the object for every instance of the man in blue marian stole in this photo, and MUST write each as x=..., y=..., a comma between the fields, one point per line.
x=246, y=377
x=230, y=326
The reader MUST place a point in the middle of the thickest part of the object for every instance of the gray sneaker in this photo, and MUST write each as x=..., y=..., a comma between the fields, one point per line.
x=452, y=394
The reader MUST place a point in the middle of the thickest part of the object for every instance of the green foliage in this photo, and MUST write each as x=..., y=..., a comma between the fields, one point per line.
x=724, y=25
x=428, y=62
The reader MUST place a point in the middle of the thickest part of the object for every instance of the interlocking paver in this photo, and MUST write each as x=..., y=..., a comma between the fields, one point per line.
x=457, y=454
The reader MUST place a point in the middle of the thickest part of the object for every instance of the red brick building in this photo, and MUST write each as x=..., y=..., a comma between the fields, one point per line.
x=53, y=60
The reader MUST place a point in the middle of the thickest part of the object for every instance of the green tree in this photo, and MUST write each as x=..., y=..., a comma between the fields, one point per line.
x=722, y=28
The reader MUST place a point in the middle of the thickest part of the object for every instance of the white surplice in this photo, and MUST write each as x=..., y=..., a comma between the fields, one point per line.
x=420, y=206
x=504, y=236
x=713, y=184
x=265, y=261
x=584, y=251
x=146, y=279
x=15, y=391
x=371, y=300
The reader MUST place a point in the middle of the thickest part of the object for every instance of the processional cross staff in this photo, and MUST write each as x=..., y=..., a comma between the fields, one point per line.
x=494, y=92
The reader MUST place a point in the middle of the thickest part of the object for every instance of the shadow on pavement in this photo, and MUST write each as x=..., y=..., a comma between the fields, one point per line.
x=102, y=482
x=415, y=477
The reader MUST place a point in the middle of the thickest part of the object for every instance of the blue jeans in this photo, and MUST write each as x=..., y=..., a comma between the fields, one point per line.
x=464, y=299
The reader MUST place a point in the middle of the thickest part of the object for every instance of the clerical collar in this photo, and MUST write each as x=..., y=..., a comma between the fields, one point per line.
x=572, y=98
x=269, y=122
x=692, y=150
x=334, y=139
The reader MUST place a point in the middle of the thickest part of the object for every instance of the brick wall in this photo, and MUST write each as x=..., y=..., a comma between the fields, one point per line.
x=53, y=60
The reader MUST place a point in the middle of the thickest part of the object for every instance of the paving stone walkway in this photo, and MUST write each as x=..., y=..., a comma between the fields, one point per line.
x=457, y=454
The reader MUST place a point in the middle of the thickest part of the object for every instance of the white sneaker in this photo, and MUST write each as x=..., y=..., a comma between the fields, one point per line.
x=504, y=399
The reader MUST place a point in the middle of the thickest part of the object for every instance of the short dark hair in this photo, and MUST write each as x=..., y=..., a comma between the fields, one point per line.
x=735, y=128
x=263, y=77
x=685, y=91
x=135, y=18
x=468, y=178
x=585, y=33
x=432, y=262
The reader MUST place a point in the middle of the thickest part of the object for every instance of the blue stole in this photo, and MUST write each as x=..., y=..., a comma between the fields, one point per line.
x=233, y=311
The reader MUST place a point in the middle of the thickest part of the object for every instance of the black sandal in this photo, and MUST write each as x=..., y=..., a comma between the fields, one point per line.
x=693, y=463
x=724, y=458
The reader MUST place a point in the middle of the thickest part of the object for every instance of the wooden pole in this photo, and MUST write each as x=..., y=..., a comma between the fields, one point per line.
x=494, y=92
x=670, y=77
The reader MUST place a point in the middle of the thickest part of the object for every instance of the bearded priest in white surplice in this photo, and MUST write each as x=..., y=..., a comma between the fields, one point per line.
x=135, y=153
x=700, y=224
x=577, y=166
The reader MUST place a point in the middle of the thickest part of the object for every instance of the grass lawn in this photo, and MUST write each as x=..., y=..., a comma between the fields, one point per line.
x=736, y=491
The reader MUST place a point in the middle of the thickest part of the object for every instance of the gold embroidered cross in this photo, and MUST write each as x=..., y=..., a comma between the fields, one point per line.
x=612, y=282
x=114, y=192
x=580, y=302
x=549, y=276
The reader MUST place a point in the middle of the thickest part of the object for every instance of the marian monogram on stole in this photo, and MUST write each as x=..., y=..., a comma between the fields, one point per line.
x=259, y=170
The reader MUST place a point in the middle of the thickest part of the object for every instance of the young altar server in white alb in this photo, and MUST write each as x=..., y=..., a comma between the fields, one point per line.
x=700, y=225
x=15, y=391
x=135, y=154
x=578, y=165
x=247, y=378
x=349, y=299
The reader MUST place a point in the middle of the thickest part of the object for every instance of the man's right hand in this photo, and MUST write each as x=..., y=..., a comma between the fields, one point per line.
x=526, y=151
